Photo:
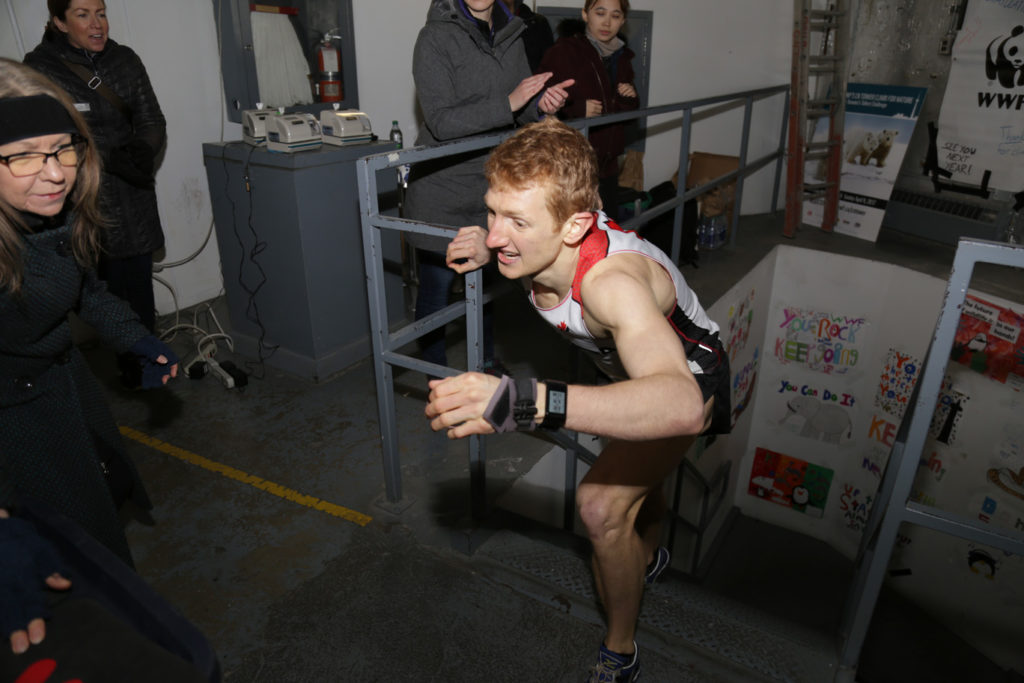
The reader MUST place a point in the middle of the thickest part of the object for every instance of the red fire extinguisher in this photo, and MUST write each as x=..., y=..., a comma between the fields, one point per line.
x=328, y=62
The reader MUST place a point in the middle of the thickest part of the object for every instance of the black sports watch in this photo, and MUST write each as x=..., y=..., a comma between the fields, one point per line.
x=554, y=404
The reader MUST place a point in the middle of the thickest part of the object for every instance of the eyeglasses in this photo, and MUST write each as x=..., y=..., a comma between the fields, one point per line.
x=31, y=163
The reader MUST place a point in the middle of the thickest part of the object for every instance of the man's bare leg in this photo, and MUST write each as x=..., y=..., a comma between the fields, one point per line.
x=651, y=520
x=610, y=498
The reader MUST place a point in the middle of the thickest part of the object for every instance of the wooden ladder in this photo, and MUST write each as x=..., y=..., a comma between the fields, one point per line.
x=824, y=72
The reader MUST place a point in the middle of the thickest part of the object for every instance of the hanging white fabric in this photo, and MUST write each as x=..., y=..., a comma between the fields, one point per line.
x=282, y=72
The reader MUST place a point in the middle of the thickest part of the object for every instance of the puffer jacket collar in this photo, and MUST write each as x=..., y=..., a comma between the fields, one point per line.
x=58, y=41
x=453, y=12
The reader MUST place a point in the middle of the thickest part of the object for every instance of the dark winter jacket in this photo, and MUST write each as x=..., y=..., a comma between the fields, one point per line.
x=462, y=86
x=537, y=37
x=128, y=146
x=575, y=57
x=55, y=424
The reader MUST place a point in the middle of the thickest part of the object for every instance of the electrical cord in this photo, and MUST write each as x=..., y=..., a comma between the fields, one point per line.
x=263, y=350
x=157, y=267
x=204, y=360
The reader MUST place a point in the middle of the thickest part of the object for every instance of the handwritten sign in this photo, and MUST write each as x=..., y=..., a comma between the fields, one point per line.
x=989, y=340
x=897, y=382
x=824, y=342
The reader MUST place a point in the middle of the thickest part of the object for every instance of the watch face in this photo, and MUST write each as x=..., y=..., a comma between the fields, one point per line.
x=556, y=402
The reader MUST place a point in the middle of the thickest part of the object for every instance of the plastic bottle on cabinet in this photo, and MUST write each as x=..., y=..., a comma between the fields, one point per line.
x=403, y=171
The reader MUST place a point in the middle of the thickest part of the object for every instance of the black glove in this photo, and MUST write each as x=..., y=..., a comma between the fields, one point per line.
x=147, y=350
x=26, y=560
x=122, y=162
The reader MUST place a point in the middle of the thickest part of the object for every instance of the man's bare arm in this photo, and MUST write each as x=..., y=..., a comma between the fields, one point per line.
x=661, y=398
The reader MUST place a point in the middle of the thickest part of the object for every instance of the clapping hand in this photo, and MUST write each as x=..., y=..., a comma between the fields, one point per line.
x=554, y=97
x=527, y=88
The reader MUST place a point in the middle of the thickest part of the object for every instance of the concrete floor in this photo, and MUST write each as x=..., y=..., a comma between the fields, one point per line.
x=288, y=588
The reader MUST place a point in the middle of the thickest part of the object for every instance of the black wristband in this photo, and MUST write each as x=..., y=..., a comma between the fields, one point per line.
x=524, y=409
x=555, y=402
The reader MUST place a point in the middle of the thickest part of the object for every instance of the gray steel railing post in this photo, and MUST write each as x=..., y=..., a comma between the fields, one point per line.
x=781, y=152
x=738, y=198
x=475, y=361
x=684, y=166
x=373, y=262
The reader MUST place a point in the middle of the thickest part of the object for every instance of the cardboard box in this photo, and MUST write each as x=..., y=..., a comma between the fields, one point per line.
x=705, y=167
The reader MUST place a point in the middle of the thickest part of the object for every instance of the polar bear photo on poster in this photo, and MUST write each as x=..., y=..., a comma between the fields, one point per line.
x=863, y=145
x=860, y=147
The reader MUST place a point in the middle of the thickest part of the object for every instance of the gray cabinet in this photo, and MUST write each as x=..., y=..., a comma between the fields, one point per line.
x=291, y=253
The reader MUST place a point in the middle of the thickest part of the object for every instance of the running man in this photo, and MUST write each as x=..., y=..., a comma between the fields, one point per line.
x=623, y=300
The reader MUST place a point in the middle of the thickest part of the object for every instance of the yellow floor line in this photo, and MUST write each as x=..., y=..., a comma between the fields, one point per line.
x=252, y=480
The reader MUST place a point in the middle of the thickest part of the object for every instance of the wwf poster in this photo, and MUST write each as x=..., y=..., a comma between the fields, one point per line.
x=981, y=122
x=876, y=131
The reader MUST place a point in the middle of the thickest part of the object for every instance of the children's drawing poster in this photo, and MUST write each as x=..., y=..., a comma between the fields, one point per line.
x=818, y=340
x=896, y=384
x=981, y=127
x=988, y=340
x=876, y=131
x=790, y=482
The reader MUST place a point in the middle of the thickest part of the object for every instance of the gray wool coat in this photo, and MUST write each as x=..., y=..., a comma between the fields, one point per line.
x=55, y=424
x=462, y=86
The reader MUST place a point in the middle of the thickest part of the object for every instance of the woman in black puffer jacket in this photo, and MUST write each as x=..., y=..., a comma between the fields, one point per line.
x=111, y=88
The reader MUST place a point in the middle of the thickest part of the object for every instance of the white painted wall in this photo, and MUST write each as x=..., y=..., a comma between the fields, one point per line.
x=700, y=48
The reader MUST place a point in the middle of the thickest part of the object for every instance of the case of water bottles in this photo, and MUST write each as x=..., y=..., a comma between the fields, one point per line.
x=712, y=231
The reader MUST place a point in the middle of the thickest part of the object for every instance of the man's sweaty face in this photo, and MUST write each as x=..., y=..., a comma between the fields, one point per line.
x=521, y=230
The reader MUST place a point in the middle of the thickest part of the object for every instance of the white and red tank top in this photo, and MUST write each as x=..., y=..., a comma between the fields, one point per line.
x=697, y=332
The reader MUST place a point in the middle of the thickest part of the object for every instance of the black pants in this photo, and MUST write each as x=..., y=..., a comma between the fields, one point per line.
x=434, y=293
x=131, y=279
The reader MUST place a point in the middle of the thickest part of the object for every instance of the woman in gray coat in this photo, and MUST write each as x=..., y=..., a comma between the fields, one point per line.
x=472, y=77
